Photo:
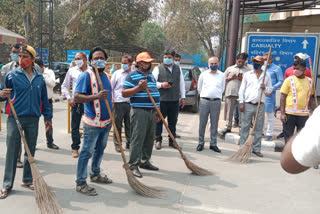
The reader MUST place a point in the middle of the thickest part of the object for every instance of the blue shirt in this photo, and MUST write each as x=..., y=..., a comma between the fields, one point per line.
x=141, y=98
x=27, y=95
x=84, y=87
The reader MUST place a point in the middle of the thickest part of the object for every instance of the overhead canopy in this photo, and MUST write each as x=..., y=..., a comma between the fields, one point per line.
x=9, y=37
x=274, y=6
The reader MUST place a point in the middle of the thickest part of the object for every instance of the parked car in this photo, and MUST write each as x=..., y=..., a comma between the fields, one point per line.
x=191, y=75
x=60, y=70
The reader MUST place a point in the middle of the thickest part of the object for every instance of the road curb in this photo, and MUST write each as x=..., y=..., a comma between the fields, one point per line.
x=276, y=146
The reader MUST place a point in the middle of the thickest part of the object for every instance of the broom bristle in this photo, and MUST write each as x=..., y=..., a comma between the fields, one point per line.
x=139, y=187
x=244, y=153
x=196, y=169
x=45, y=199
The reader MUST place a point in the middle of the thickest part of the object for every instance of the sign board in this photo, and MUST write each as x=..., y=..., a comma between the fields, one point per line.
x=284, y=47
x=45, y=55
x=72, y=53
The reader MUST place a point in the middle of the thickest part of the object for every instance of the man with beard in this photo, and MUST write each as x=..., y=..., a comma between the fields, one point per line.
x=96, y=121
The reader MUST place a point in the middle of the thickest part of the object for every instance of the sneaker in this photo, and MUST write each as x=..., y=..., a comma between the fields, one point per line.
x=259, y=154
x=19, y=164
x=86, y=190
x=52, y=146
x=75, y=153
x=158, y=144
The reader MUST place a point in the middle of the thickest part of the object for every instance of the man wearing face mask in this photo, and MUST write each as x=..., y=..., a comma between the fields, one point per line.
x=143, y=115
x=177, y=59
x=17, y=81
x=121, y=104
x=249, y=94
x=211, y=86
x=96, y=120
x=276, y=75
x=296, y=100
x=76, y=108
x=170, y=83
x=233, y=75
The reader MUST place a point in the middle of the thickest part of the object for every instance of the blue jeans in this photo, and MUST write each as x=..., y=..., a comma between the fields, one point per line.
x=30, y=126
x=236, y=113
x=94, y=143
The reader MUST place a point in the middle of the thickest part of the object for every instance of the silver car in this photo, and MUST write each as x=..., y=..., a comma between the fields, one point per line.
x=191, y=75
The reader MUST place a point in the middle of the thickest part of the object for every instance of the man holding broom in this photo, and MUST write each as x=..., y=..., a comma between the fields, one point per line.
x=27, y=88
x=249, y=94
x=142, y=114
x=96, y=121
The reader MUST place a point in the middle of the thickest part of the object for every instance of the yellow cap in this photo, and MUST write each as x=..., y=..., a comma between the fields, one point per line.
x=31, y=50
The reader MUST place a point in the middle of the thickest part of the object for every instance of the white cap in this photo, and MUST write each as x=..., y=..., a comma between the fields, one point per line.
x=302, y=56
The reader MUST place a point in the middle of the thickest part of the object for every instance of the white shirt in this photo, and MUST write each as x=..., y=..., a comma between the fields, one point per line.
x=50, y=80
x=250, y=87
x=306, y=145
x=117, y=80
x=211, y=85
x=155, y=73
x=71, y=78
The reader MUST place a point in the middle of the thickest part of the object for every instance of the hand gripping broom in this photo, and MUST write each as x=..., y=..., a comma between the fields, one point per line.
x=191, y=166
x=45, y=199
x=244, y=153
x=132, y=180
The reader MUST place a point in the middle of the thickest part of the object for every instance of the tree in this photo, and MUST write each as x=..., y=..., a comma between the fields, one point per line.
x=151, y=36
x=193, y=22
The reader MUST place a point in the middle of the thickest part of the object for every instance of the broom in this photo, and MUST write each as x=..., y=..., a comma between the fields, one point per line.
x=191, y=166
x=136, y=185
x=45, y=199
x=244, y=153
x=313, y=86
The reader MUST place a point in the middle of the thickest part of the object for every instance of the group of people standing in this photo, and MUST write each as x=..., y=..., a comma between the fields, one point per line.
x=127, y=94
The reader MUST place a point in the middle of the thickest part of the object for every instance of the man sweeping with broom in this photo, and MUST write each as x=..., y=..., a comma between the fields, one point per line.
x=27, y=89
x=249, y=94
x=96, y=122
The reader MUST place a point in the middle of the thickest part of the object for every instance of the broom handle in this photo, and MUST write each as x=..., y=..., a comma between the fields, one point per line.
x=111, y=116
x=258, y=108
x=165, y=124
x=313, y=85
x=24, y=140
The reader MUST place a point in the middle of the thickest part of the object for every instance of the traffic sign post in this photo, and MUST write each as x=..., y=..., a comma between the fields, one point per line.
x=284, y=47
x=72, y=53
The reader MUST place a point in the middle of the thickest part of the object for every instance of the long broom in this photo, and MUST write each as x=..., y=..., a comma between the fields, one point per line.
x=244, y=153
x=313, y=85
x=191, y=166
x=136, y=185
x=45, y=199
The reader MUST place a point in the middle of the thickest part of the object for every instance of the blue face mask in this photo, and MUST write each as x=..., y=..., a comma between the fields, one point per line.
x=214, y=67
x=14, y=57
x=168, y=61
x=100, y=63
x=125, y=67
x=177, y=62
x=256, y=66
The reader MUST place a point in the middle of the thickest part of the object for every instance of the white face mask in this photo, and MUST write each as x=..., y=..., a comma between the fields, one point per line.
x=79, y=63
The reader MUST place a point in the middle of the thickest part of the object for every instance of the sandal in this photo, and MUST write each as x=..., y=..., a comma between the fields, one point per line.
x=86, y=190
x=100, y=179
x=28, y=186
x=4, y=193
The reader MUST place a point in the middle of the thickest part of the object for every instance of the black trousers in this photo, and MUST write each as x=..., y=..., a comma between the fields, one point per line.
x=76, y=114
x=168, y=109
x=293, y=121
x=49, y=133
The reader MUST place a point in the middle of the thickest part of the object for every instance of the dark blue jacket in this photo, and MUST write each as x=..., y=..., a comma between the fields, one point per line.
x=27, y=96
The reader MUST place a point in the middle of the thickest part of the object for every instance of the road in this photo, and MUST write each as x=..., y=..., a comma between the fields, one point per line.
x=258, y=187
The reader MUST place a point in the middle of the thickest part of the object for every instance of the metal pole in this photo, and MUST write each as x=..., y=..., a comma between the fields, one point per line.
x=40, y=29
x=243, y=6
x=233, y=32
x=50, y=32
x=224, y=35
x=228, y=33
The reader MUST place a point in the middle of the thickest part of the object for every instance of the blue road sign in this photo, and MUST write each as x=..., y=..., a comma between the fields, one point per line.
x=45, y=55
x=284, y=47
x=72, y=53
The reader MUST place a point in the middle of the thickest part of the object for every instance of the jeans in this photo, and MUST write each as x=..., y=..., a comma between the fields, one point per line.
x=236, y=113
x=247, y=116
x=142, y=128
x=168, y=109
x=94, y=143
x=293, y=121
x=206, y=108
x=122, y=114
x=49, y=133
x=76, y=114
x=30, y=126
